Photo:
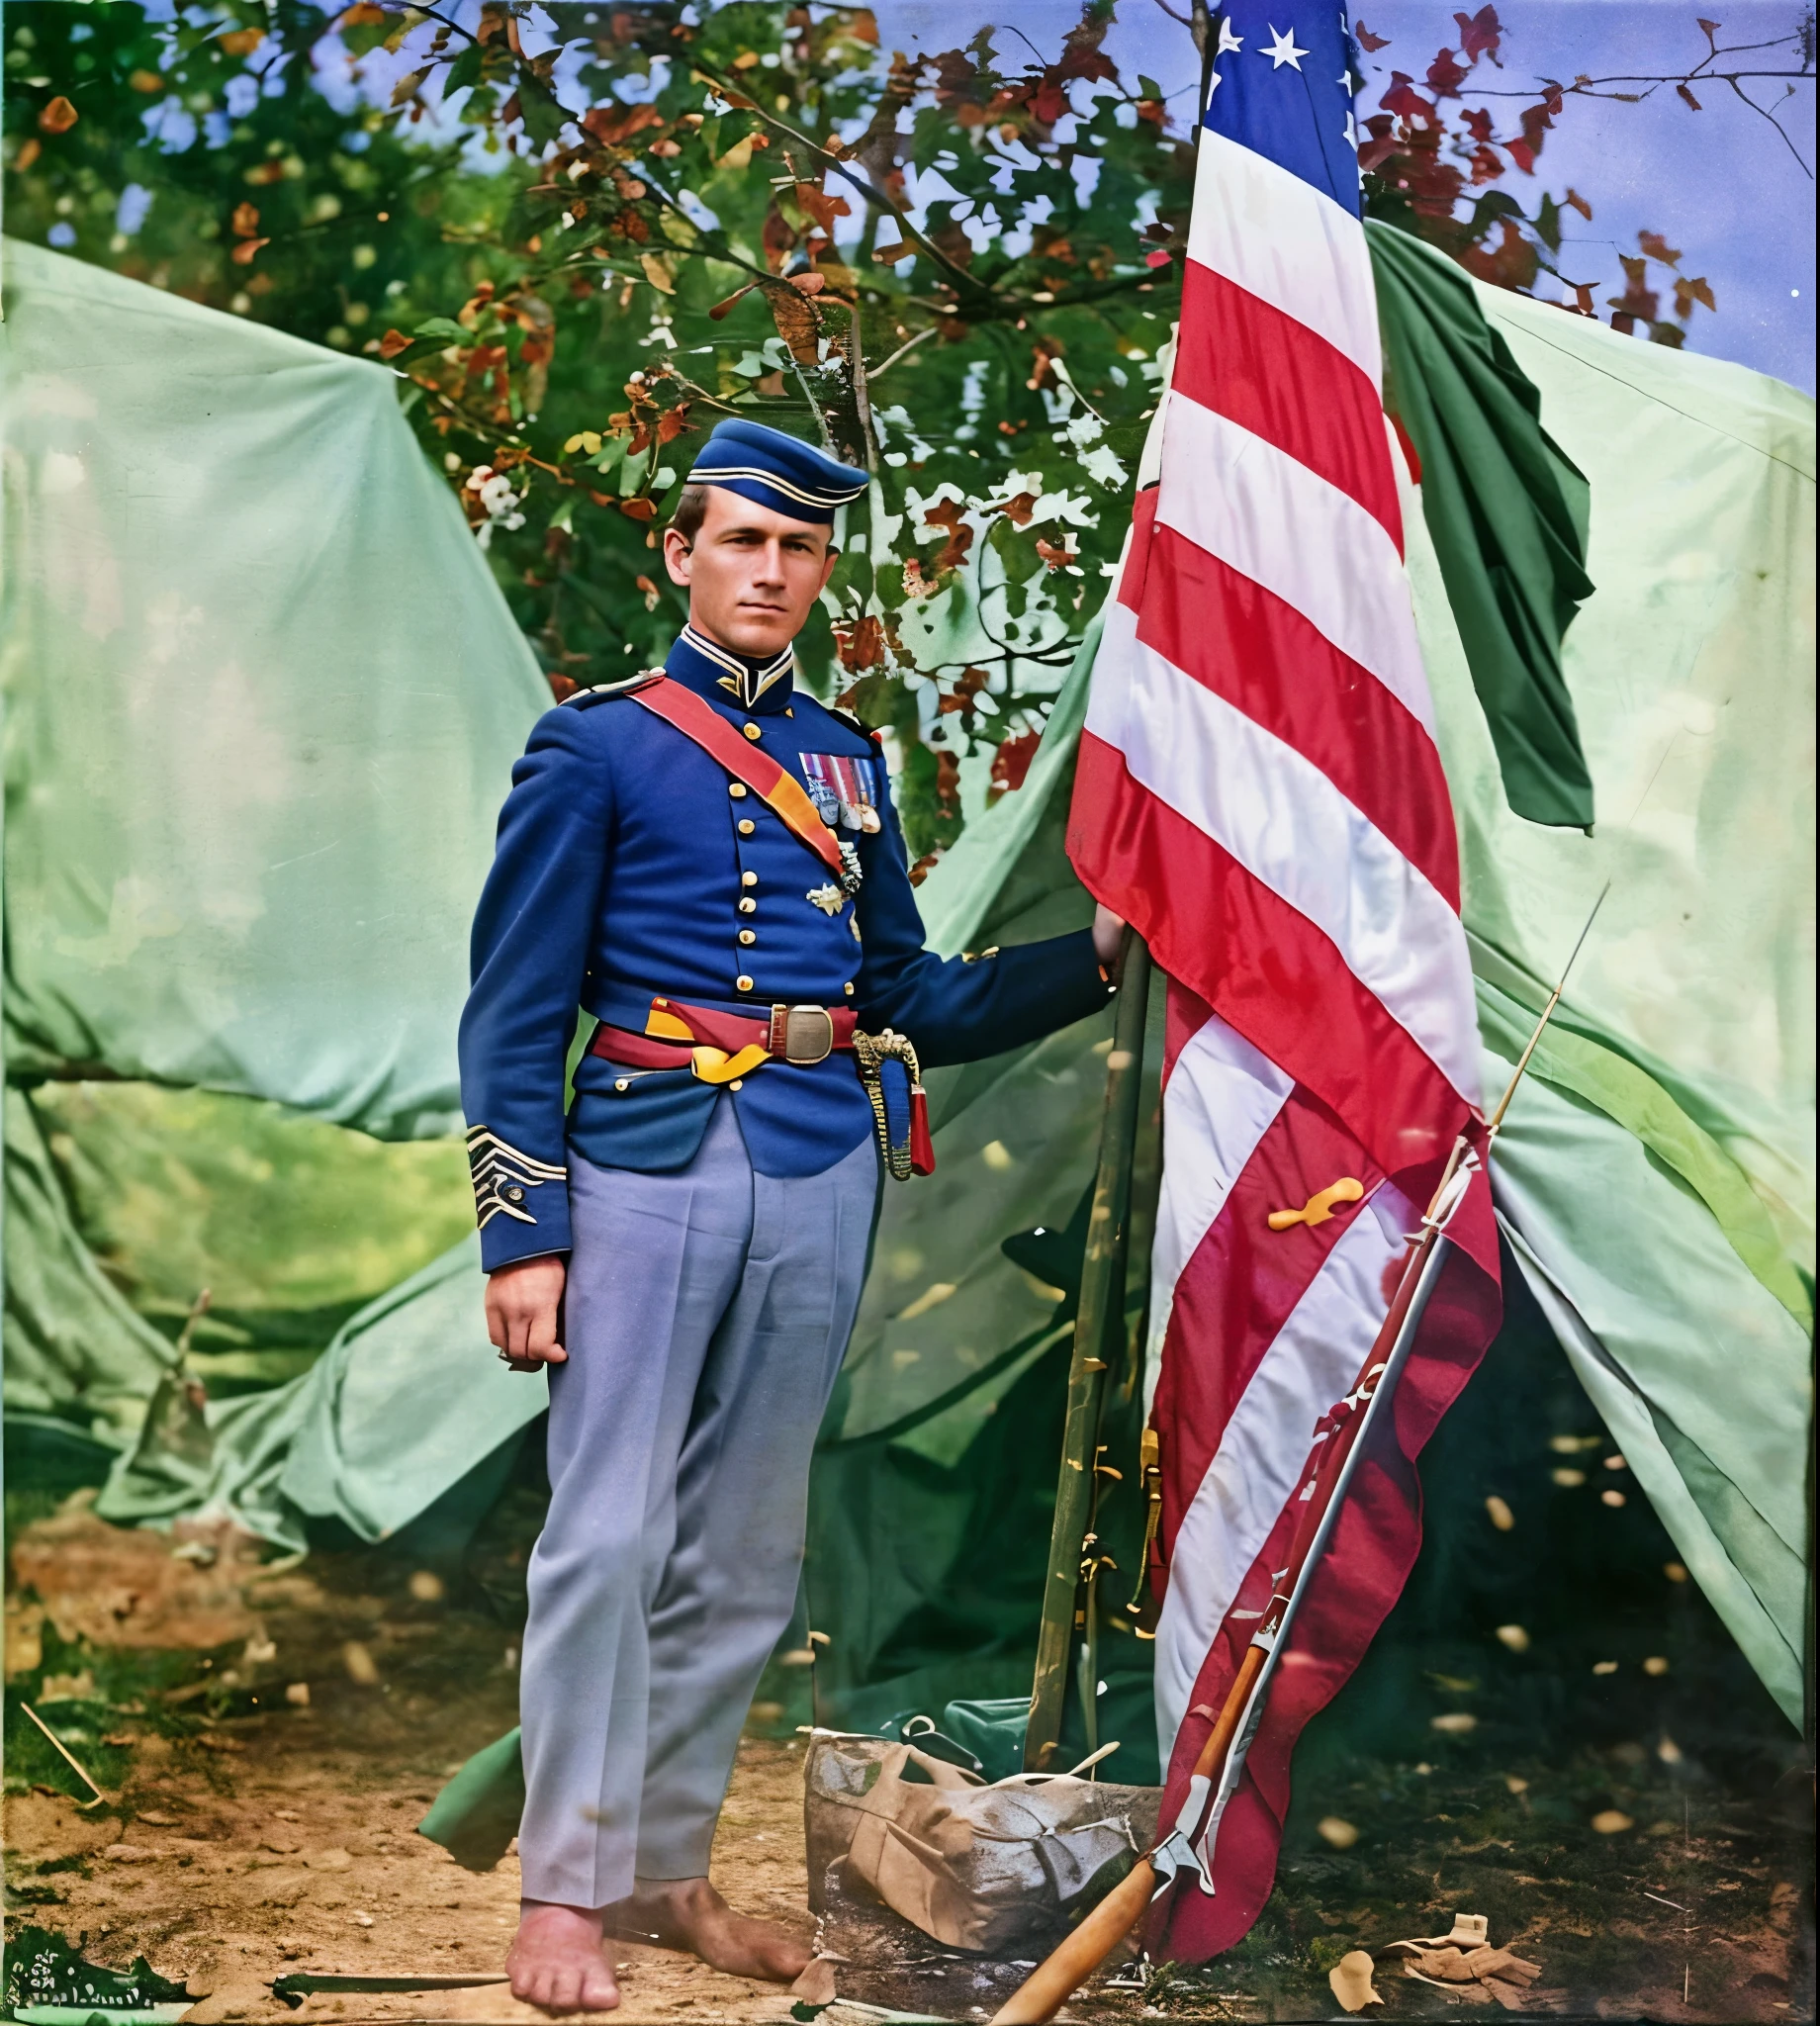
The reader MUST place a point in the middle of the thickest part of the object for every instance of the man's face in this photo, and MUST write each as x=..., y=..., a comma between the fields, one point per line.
x=752, y=573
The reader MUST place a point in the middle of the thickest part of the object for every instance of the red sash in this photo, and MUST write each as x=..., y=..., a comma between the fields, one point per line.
x=778, y=790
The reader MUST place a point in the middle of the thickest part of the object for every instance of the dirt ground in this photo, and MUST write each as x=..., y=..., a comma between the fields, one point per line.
x=269, y=1736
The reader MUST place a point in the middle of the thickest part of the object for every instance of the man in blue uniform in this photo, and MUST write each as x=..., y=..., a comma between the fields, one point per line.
x=707, y=861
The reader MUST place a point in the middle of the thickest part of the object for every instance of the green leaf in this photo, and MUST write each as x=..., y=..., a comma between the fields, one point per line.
x=465, y=71
x=544, y=114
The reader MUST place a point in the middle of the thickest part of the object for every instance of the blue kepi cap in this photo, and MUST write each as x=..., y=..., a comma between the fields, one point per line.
x=775, y=470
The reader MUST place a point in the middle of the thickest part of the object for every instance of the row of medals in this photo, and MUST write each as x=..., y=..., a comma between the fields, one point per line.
x=838, y=815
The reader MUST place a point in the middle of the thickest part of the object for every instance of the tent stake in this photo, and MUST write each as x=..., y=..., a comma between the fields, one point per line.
x=1101, y=1285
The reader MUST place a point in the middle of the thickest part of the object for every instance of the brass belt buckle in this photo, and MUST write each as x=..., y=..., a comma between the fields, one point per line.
x=807, y=1034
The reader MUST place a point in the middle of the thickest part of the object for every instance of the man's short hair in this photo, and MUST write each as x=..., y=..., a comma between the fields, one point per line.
x=691, y=512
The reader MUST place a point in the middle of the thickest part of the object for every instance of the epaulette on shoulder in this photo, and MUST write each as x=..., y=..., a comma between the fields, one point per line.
x=605, y=692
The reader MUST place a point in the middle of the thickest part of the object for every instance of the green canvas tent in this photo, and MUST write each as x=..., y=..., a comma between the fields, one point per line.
x=261, y=697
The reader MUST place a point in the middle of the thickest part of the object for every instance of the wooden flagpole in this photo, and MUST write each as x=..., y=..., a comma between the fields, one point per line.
x=1102, y=1282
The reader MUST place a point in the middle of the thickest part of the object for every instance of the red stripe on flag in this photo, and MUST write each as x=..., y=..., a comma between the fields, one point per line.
x=1263, y=370
x=1259, y=963
x=1375, y=1543
x=1239, y=641
x=1241, y=1283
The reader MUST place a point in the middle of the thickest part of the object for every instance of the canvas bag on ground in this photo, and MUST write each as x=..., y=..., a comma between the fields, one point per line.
x=976, y=1866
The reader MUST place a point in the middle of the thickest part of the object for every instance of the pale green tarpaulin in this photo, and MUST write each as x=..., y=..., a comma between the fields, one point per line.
x=257, y=694
x=1657, y=1180
x=261, y=696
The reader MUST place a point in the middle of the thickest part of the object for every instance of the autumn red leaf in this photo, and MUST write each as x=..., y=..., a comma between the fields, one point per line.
x=393, y=342
x=1688, y=292
x=243, y=255
x=948, y=779
x=947, y=513
x=1010, y=763
x=1367, y=41
x=58, y=117
x=246, y=220
x=924, y=866
x=797, y=322
x=242, y=42
x=1057, y=557
x=778, y=236
x=1655, y=247
x=1017, y=508
x=859, y=644
x=726, y=302
x=1579, y=204
x=1480, y=33
x=1522, y=154
x=1478, y=122
x=672, y=422
x=1405, y=100
x=614, y=125
x=1638, y=298
x=1447, y=74
x=639, y=509
x=1681, y=92
x=822, y=209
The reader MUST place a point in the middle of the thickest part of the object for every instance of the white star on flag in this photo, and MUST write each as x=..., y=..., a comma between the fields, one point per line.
x=1282, y=49
x=1227, y=40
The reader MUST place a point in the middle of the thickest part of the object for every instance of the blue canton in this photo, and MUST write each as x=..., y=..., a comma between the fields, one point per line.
x=629, y=867
x=1282, y=85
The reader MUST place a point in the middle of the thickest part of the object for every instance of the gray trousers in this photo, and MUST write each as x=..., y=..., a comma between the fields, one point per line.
x=707, y=1314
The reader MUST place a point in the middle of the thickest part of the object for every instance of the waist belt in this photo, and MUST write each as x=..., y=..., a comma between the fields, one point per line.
x=718, y=1047
x=721, y=1047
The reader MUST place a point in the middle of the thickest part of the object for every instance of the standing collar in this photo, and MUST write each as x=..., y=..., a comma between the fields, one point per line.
x=717, y=673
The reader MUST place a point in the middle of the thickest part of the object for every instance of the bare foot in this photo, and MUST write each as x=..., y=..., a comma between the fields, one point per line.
x=688, y=1913
x=556, y=1960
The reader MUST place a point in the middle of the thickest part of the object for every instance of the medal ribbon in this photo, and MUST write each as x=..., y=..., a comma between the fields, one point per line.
x=780, y=792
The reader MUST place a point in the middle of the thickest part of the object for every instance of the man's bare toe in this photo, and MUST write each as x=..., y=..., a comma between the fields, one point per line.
x=688, y=1913
x=556, y=1962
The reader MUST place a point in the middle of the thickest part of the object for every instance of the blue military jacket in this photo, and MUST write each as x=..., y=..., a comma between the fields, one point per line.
x=630, y=865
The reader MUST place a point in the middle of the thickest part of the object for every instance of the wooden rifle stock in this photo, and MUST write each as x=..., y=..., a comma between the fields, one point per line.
x=1049, y=1985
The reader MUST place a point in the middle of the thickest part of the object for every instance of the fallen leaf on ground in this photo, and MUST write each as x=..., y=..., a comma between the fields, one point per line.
x=815, y=1986
x=1351, y=1981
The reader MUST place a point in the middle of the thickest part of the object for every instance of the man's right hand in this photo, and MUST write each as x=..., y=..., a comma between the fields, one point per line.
x=523, y=1304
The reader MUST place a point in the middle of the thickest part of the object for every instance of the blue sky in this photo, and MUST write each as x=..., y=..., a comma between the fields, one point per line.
x=1720, y=183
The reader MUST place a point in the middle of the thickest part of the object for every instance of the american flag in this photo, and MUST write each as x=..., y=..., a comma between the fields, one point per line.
x=1260, y=794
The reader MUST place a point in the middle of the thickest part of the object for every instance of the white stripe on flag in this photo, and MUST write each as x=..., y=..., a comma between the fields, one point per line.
x=1218, y=1103
x=1268, y=517
x=1291, y=829
x=1314, y=1359
x=1289, y=244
